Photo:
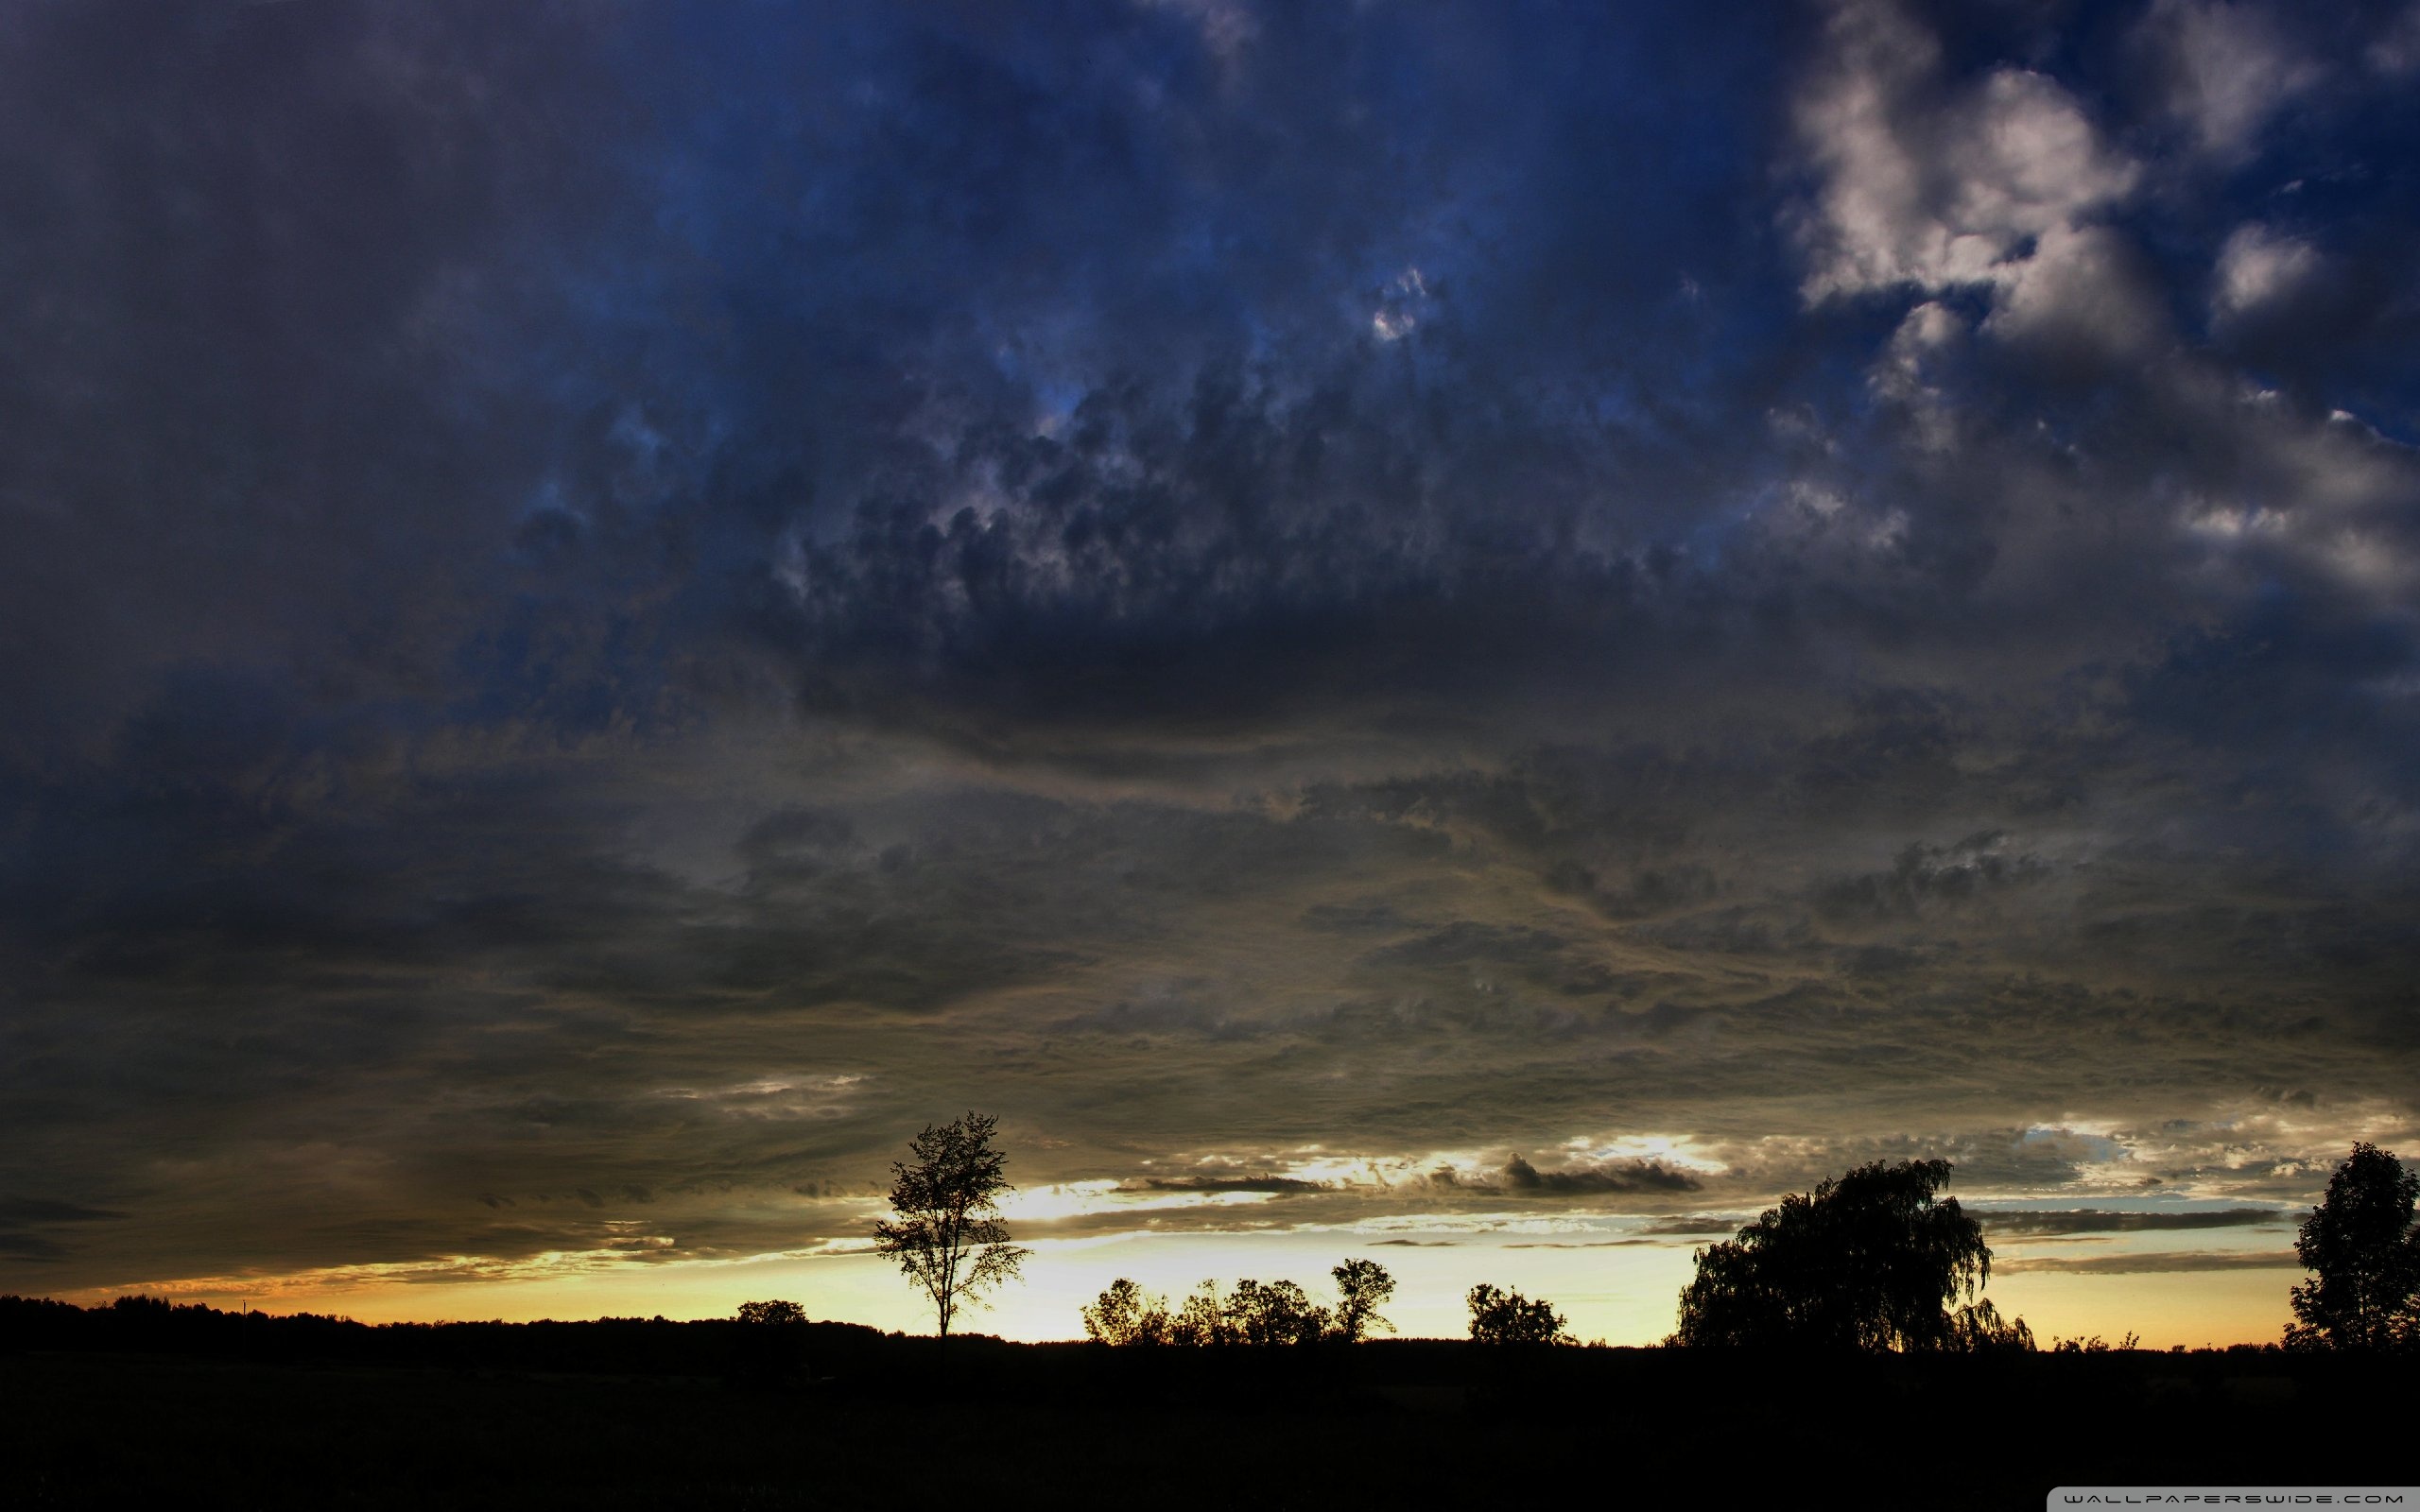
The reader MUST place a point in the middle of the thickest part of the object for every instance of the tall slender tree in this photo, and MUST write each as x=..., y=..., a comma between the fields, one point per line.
x=946, y=1234
x=1362, y=1286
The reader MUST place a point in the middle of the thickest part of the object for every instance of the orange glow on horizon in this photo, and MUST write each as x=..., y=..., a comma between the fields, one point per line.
x=1621, y=1295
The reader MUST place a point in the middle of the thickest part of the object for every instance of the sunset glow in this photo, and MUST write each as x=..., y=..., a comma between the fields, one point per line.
x=1481, y=636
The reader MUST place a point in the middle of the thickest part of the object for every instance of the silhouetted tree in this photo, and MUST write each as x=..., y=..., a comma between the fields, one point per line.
x=2360, y=1242
x=1204, y=1320
x=1979, y=1329
x=1869, y=1261
x=770, y=1343
x=1262, y=1313
x=1362, y=1286
x=1275, y=1313
x=1505, y=1316
x=2095, y=1344
x=1127, y=1314
x=947, y=1236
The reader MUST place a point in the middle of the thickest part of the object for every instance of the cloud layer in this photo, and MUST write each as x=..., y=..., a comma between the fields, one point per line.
x=1338, y=611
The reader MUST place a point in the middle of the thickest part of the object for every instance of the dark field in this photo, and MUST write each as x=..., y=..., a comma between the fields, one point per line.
x=696, y=1415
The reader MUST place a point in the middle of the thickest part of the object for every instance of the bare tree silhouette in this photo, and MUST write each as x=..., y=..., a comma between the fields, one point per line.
x=947, y=1236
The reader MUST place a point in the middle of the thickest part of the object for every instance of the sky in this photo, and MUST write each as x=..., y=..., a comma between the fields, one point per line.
x=1485, y=635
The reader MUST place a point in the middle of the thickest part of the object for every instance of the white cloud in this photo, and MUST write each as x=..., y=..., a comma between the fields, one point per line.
x=2082, y=292
x=1869, y=229
x=2258, y=267
x=2027, y=162
x=1934, y=188
x=1401, y=304
x=2329, y=493
x=1903, y=375
x=2227, y=69
x=1994, y=185
x=1928, y=327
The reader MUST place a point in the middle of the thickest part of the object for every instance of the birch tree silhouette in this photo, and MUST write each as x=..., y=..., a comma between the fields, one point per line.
x=946, y=1235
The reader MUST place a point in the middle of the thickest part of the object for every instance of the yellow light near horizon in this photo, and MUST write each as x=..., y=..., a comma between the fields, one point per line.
x=1623, y=1295
x=2190, y=1308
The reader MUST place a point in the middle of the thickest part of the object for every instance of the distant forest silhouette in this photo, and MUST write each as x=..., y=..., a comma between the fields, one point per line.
x=140, y=1403
x=771, y=1407
x=1876, y=1261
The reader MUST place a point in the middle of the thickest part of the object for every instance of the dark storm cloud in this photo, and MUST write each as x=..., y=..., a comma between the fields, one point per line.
x=34, y=1230
x=1270, y=1185
x=1520, y=1179
x=610, y=608
x=2089, y=1221
x=2161, y=1263
x=1633, y=1175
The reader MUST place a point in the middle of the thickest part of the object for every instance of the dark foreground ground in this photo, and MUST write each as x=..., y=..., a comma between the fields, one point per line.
x=698, y=1415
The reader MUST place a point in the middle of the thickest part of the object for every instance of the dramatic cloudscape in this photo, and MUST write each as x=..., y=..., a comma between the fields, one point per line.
x=1485, y=635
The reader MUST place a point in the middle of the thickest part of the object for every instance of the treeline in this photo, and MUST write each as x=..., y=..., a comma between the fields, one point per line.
x=1876, y=1261
x=1407, y=1422
x=1255, y=1312
x=724, y=1347
x=1280, y=1313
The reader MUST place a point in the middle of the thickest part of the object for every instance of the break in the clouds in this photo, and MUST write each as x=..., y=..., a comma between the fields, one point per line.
x=1341, y=612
